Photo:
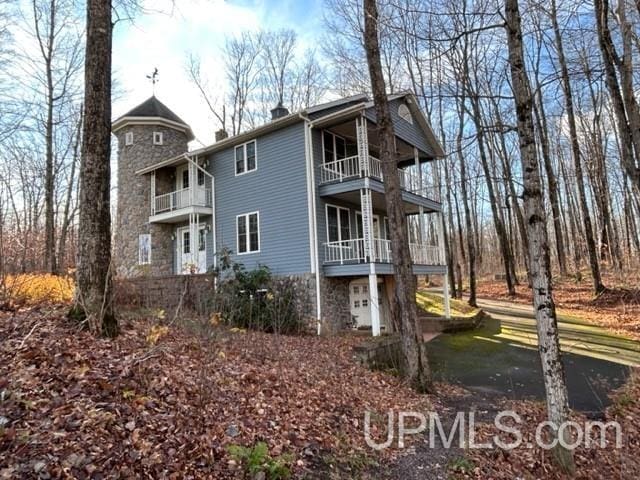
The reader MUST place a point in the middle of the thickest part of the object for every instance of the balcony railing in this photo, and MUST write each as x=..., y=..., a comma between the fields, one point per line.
x=187, y=197
x=352, y=251
x=350, y=168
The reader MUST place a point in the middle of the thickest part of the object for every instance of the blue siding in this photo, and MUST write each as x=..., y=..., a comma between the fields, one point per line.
x=278, y=190
x=411, y=133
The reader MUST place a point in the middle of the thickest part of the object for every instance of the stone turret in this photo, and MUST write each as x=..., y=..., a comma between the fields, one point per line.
x=146, y=135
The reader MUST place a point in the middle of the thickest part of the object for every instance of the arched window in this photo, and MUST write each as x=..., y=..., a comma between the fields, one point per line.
x=404, y=113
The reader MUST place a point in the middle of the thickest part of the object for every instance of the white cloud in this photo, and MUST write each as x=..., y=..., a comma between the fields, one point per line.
x=164, y=41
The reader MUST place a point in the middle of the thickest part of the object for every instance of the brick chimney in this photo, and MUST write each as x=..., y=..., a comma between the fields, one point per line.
x=221, y=135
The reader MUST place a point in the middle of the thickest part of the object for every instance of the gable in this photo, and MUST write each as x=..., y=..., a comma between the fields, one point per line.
x=406, y=125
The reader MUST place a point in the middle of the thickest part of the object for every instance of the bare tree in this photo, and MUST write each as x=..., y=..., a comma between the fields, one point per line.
x=413, y=347
x=539, y=260
x=241, y=66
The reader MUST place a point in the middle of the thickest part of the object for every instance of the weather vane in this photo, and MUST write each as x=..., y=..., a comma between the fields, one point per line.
x=154, y=79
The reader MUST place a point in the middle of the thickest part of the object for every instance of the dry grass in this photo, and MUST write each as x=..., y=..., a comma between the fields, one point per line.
x=35, y=289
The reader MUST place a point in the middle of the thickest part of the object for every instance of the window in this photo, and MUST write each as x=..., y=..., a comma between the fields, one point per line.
x=202, y=239
x=144, y=249
x=356, y=304
x=404, y=113
x=356, y=290
x=338, y=228
x=335, y=147
x=365, y=303
x=246, y=158
x=248, y=233
x=185, y=178
x=186, y=241
x=200, y=177
x=128, y=138
x=157, y=138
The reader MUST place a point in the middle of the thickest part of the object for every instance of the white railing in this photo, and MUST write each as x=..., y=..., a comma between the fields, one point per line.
x=352, y=251
x=344, y=251
x=349, y=168
x=339, y=170
x=375, y=167
x=168, y=202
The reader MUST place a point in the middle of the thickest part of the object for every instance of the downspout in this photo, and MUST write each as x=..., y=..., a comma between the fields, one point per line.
x=313, y=229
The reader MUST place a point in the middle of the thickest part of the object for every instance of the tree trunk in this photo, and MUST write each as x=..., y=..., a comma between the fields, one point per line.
x=471, y=249
x=94, y=289
x=539, y=260
x=628, y=140
x=594, y=263
x=414, y=349
x=553, y=192
x=68, y=211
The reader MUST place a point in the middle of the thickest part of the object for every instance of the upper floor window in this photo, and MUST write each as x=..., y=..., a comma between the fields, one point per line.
x=144, y=249
x=404, y=113
x=157, y=138
x=334, y=147
x=246, y=158
x=128, y=138
x=248, y=233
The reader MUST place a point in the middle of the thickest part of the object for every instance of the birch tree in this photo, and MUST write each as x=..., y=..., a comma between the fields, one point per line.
x=539, y=261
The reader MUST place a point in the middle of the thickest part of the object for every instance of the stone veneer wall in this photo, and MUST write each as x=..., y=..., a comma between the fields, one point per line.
x=134, y=200
x=165, y=292
x=334, y=298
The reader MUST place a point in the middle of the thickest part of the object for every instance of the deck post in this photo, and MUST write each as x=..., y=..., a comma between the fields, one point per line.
x=374, y=304
x=153, y=192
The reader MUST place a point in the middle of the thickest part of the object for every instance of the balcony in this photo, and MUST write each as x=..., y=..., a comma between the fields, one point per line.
x=353, y=252
x=347, y=169
x=176, y=206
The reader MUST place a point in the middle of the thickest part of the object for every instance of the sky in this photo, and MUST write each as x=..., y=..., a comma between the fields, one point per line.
x=164, y=37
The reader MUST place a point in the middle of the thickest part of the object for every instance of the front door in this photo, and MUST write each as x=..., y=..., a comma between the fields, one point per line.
x=188, y=263
x=359, y=299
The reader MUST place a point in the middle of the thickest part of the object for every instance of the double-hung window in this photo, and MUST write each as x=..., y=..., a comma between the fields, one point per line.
x=248, y=233
x=338, y=229
x=246, y=159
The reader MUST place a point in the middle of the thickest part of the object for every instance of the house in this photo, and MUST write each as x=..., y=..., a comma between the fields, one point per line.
x=302, y=194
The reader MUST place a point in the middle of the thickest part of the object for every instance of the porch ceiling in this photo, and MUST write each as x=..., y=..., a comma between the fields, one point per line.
x=348, y=131
x=377, y=199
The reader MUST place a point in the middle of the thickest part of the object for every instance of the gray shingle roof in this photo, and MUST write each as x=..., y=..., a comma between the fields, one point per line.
x=152, y=107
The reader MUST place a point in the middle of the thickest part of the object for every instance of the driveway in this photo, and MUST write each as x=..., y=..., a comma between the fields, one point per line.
x=501, y=358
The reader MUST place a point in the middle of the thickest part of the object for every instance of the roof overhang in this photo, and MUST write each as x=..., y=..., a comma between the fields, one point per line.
x=250, y=134
x=338, y=116
x=124, y=121
x=227, y=142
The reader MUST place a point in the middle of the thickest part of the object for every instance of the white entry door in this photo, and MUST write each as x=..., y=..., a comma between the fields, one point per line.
x=189, y=263
x=360, y=302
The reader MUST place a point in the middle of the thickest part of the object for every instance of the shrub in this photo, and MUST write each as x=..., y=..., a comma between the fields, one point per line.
x=256, y=300
x=35, y=289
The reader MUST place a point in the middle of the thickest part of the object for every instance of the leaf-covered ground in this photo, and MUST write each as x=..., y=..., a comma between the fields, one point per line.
x=592, y=462
x=617, y=309
x=167, y=402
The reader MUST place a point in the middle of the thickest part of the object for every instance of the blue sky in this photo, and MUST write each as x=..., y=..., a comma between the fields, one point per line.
x=164, y=40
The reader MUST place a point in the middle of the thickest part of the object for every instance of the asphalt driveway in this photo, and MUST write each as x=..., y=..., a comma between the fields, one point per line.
x=501, y=358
